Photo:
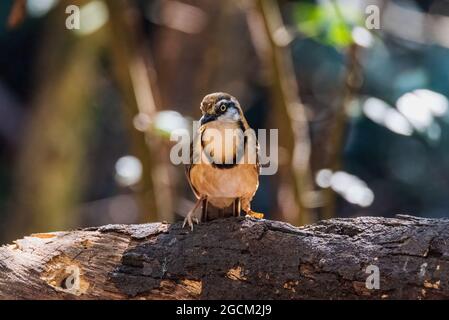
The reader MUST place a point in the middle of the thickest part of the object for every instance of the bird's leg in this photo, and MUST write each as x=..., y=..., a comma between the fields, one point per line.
x=190, y=218
x=246, y=207
x=204, y=216
x=236, y=207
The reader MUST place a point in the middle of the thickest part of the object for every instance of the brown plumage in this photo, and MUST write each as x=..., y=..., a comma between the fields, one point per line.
x=215, y=180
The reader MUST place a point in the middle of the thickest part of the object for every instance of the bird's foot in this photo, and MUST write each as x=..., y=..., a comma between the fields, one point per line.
x=255, y=214
x=190, y=219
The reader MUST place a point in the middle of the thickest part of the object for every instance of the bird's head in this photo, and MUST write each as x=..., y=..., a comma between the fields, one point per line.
x=222, y=107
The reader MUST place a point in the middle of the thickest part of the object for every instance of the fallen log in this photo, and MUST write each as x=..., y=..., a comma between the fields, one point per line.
x=234, y=258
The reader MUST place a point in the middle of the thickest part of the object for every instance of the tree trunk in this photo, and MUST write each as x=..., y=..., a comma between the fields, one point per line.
x=235, y=258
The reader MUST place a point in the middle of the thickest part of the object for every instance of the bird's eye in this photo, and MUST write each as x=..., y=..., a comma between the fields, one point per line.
x=223, y=108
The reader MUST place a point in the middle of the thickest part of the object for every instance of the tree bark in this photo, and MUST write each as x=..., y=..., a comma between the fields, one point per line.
x=234, y=258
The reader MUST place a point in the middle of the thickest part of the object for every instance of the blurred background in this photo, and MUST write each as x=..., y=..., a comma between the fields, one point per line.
x=86, y=114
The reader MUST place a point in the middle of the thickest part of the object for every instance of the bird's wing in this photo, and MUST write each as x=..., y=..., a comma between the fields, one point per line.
x=257, y=166
x=188, y=168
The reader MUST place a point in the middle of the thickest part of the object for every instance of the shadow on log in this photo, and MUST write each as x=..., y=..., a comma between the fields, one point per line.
x=235, y=258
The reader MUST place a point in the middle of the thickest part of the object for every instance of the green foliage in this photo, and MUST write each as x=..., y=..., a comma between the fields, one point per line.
x=326, y=23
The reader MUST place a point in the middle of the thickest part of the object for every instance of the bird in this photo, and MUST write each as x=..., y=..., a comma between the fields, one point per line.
x=215, y=180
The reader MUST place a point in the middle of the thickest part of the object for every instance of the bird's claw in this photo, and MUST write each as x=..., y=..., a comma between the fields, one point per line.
x=189, y=220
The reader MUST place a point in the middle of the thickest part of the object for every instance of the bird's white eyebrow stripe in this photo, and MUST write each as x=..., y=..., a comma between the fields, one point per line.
x=221, y=101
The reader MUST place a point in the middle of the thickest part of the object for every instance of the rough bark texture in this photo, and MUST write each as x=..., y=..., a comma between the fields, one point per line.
x=235, y=258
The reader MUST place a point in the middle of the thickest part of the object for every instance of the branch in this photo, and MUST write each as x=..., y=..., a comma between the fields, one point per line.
x=290, y=111
x=235, y=258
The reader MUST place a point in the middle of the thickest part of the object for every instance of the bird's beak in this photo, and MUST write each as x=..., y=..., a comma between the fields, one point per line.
x=207, y=118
